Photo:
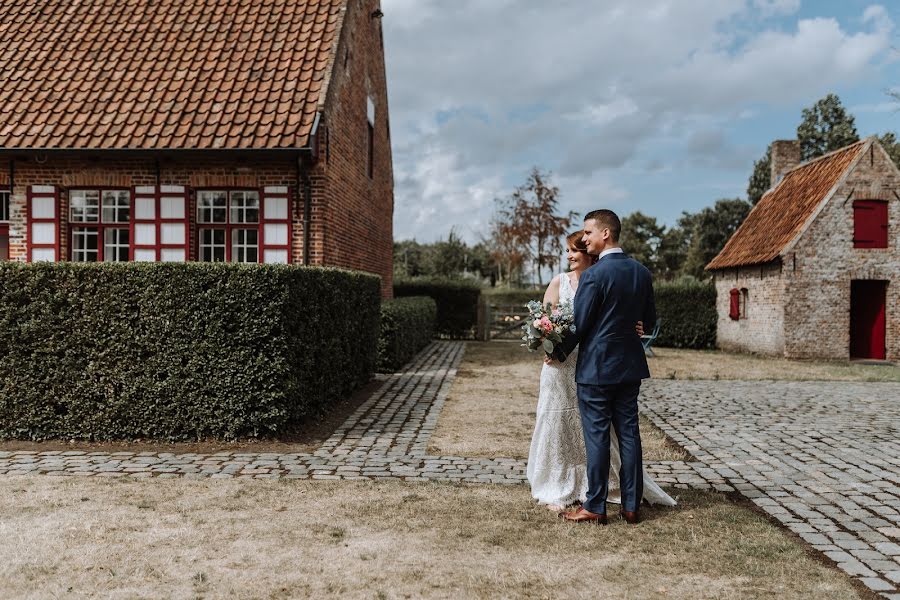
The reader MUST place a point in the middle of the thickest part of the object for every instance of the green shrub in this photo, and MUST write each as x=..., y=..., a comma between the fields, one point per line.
x=517, y=297
x=457, y=303
x=688, y=313
x=178, y=351
x=407, y=326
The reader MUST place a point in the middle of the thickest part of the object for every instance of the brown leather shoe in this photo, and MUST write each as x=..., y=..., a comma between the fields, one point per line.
x=585, y=516
x=632, y=518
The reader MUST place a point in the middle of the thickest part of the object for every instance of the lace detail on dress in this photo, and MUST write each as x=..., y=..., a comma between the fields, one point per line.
x=557, y=461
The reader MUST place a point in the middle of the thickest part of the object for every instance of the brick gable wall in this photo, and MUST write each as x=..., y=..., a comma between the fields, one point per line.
x=801, y=308
x=818, y=300
x=357, y=231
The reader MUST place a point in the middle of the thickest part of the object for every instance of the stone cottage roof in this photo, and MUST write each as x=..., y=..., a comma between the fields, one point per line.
x=782, y=213
x=160, y=74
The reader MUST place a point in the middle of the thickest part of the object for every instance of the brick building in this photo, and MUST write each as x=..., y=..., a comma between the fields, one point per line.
x=814, y=270
x=182, y=130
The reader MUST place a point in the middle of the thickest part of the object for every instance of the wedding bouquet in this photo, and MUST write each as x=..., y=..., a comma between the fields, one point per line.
x=547, y=326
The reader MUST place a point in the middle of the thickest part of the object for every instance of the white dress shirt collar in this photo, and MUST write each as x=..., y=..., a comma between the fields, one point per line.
x=610, y=251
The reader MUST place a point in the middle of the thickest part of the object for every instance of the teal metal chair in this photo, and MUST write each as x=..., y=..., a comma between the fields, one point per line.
x=647, y=340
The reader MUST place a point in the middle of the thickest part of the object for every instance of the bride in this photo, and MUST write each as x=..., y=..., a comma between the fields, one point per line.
x=557, y=463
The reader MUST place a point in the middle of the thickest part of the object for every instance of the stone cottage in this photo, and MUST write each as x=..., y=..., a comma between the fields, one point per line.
x=814, y=270
x=189, y=130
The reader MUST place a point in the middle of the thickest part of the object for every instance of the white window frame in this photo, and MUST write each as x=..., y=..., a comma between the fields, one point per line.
x=112, y=248
x=212, y=245
x=82, y=254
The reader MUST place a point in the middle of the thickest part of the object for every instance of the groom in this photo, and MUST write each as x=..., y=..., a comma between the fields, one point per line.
x=612, y=295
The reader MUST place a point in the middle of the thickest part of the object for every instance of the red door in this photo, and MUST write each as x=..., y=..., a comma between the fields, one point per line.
x=868, y=303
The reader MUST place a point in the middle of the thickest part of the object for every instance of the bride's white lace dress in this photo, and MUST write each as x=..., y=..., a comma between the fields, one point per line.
x=557, y=462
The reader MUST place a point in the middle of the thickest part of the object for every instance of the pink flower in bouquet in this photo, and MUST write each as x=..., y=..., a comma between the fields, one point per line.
x=537, y=323
x=546, y=325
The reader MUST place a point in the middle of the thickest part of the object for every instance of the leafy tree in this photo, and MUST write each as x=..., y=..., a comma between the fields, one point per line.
x=447, y=258
x=891, y=145
x=505, y=251
x=761, y=179
x=826, y=126
x=709, y=230
x=529, y=216
x=641, y=239
x=410, y=259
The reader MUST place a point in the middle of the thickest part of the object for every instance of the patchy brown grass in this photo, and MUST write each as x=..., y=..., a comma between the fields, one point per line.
x=670, y=363
x=490, y=410
x=79, y=538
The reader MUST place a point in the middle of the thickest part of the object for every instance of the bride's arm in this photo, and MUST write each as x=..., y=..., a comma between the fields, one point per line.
x=551, y=296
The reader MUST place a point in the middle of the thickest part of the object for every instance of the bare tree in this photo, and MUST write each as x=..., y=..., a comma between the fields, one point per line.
x=531, y=220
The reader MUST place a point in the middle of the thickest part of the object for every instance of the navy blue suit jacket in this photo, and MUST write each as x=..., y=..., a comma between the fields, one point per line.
x=612, y=296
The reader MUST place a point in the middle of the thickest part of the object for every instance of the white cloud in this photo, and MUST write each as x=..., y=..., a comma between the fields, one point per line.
x=588, y=89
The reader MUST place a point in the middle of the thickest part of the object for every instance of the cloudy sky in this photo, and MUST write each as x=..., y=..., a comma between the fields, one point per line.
x=652, y=105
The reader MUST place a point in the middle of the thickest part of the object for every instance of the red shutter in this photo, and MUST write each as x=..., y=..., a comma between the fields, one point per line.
x=275, y=226
x=870, y=224
x=160, y=226
x=42, y=224
x=144, y=235
x=734, y=310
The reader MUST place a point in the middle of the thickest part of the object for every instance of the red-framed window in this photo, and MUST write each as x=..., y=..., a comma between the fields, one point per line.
x=870, y=224
x=738, y=301
x=100, y=225
x=4, y=224
x=244, y=225
x=228, y=225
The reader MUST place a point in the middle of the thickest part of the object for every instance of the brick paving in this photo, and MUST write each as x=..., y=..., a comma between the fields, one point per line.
x=821, y=458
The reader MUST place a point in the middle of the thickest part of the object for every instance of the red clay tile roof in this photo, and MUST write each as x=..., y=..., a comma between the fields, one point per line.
x=780, y=215
x=153, y=74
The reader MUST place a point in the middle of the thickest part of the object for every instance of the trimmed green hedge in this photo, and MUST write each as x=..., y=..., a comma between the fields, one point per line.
x=688, y=313
x=457, y=303
x=178, y=351
x=512, y=297
x=407, y=326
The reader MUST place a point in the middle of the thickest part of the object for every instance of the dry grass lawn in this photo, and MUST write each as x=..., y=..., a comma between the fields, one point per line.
x=490, y=410
x=670, y=363
x=80, y=538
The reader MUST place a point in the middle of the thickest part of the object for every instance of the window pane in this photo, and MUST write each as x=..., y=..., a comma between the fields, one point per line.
x=244, y=207
x=116, y=206
x=212, y=245
x=4, y=206
x=244, y=245
x=212, y=207
x=84, y=206
x=115, y=247
x=84, y=245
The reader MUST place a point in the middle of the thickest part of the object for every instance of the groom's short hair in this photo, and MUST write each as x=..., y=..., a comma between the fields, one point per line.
x=609, y=219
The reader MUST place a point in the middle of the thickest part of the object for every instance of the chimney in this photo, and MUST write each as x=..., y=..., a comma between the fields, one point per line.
x=785, y=156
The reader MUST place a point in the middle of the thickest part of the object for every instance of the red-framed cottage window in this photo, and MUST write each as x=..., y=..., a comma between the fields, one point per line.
x=870, y=224
x=4, y=224
x=99, y=225
x=244, y=225
x=228, y=225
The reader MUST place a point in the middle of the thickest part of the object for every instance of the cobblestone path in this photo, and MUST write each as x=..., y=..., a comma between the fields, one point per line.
x=823, y=458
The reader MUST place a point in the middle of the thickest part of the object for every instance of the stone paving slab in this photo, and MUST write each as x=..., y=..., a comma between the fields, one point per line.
x=823, y=458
